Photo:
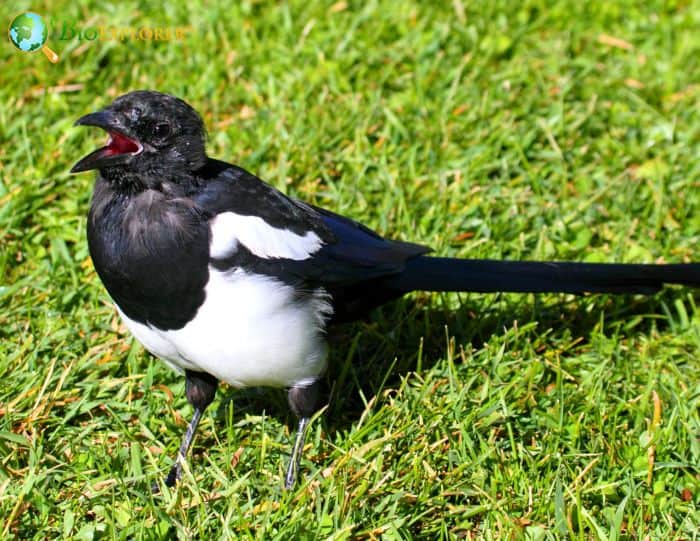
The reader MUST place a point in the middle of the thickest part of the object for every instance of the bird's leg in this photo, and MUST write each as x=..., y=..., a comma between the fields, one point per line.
x=303, y=401
x=200, y=389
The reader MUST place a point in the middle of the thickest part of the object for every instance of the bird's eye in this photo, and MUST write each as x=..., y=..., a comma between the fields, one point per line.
x=161, y=130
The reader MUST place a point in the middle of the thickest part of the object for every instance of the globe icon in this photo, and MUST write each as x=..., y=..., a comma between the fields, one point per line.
x=28, y=32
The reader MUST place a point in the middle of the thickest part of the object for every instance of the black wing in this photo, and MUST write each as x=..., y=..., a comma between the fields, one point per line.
x=351, y=259
x=359, y=254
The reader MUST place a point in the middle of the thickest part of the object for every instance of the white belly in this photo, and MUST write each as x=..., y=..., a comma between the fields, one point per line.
x=251, y=330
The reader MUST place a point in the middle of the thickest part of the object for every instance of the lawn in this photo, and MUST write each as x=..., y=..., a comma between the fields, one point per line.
x=522, y=130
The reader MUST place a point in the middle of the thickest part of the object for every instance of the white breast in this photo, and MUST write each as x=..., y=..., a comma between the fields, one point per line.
x=251, y=330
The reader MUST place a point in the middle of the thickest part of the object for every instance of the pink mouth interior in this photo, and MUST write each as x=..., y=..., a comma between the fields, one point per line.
x=120, y=144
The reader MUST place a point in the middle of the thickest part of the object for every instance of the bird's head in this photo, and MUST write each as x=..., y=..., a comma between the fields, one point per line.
x=153, y=138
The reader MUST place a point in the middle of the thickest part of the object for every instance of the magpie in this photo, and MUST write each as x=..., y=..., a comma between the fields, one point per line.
x=225, y=278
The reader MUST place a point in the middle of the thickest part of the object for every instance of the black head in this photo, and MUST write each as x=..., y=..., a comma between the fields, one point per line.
x=153, y=138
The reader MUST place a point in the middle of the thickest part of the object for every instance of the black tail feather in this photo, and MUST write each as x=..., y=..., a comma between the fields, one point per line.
x=483, y=275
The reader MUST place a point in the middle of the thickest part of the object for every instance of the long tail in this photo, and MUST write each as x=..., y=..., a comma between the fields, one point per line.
x=483, y=275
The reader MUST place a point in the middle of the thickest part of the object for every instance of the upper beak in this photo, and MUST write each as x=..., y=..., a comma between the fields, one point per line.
x=115, y=150
x=105, y=119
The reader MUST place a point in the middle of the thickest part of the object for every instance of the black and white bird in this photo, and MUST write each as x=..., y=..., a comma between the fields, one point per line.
x=227, y=279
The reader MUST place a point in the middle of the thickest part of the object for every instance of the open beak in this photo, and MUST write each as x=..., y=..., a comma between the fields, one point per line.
x=119, y=148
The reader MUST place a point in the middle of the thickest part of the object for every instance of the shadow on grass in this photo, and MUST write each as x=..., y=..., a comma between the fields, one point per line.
x=369, y=356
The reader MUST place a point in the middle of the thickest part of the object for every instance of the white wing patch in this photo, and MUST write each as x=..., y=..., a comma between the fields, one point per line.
x=228, y=229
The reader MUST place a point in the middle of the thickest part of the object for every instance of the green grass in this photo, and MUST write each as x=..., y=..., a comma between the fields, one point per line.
x=484, y=129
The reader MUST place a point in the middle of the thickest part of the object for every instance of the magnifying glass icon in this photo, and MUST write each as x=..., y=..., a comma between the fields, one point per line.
x=28, y=32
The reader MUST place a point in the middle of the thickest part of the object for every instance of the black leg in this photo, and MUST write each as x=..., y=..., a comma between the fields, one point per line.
x=303, y=401
x=200, y=389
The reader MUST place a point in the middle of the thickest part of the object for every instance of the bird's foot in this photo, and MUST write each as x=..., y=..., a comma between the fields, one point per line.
x=297, y=451
x=174, y=475
x=171, y=480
